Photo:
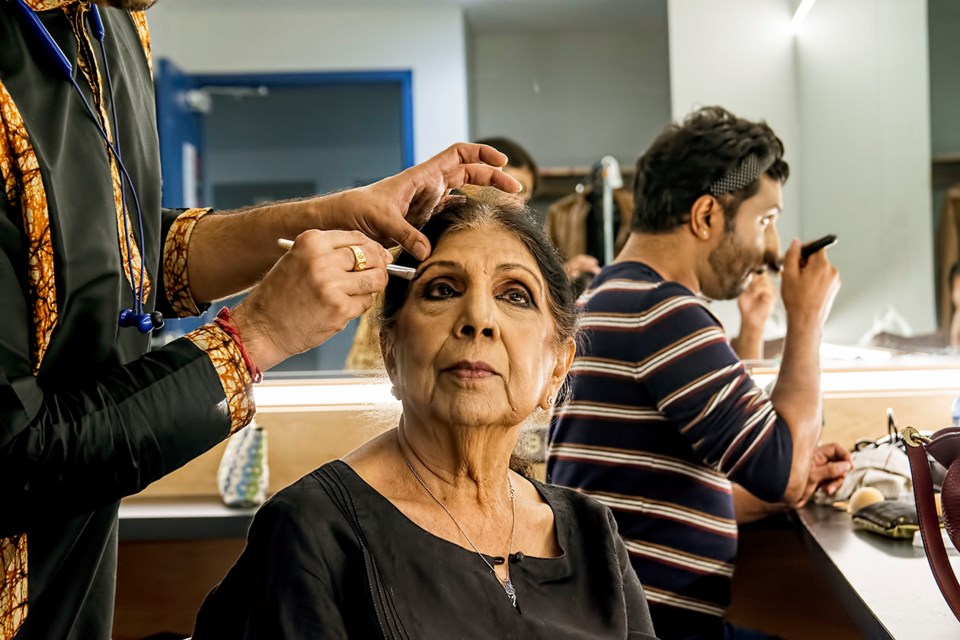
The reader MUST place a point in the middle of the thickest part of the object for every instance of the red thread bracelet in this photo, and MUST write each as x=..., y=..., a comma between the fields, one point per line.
x=225, y=322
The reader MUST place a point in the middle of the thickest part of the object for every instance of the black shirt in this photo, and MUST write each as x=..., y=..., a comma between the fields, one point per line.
x=330, y=557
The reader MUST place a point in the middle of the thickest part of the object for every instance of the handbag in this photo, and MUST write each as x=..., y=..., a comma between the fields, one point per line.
x=944, y=447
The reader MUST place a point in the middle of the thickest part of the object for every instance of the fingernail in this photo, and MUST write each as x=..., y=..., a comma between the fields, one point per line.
x=422, y=250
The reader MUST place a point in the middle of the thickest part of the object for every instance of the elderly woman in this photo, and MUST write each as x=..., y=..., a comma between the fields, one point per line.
x=426, y=532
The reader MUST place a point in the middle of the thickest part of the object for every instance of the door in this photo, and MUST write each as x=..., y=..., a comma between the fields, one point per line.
x=236, y=140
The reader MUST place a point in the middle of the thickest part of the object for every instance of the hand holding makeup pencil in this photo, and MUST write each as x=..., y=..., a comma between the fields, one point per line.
x=325, y=279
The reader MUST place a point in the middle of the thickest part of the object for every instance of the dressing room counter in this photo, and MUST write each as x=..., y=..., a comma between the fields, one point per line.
x=190, y=518
x=886, y=585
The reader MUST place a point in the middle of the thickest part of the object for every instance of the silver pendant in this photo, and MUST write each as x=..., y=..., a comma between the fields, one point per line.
x=511, y=592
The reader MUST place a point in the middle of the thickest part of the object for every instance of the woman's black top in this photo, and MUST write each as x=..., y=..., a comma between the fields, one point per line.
x=329, y=557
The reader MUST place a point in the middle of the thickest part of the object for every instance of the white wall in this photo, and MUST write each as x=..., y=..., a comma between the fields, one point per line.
x=865, y=169
x=739, y=54
x=571, y=97
x=277, y=37
x=849, y=96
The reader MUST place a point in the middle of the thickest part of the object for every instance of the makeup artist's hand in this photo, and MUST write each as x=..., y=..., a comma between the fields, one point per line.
x=309, y=295
x=808, y=292
x=391, y=210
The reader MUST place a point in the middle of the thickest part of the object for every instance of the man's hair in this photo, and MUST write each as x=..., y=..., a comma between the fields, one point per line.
x=687, y=158
x=517, y=156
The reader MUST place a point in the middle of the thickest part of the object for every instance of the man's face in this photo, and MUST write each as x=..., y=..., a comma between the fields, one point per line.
x=129, y=5
x=524, y=176
x=747, y=245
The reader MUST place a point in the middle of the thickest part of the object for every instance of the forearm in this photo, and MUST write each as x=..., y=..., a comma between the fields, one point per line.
x=750, y=508
x=749, y=344
x=797, y=397
x=230, y=251
x=108, y=437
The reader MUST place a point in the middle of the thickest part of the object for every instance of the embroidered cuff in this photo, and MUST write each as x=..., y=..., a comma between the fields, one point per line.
x=175, y=280
x=232, y=370
x=13, y=587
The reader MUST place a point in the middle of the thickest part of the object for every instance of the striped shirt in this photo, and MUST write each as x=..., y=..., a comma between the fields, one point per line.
x=661, y=417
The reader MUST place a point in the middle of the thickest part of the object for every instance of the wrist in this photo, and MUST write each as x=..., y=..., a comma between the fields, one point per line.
x=260, y=348
x=804, y=322
x=750, y=330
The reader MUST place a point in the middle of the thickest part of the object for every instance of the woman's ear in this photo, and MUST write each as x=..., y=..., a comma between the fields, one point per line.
x=564, y=361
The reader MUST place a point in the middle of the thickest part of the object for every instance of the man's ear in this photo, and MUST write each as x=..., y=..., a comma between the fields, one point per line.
x=706, y=217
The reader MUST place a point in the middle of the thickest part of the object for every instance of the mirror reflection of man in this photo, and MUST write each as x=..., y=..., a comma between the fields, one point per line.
x=663, y=423
x=523, y=168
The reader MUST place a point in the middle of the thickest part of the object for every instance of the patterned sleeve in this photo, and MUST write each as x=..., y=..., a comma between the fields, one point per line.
x=232, y=371
x=700, y=384
x=175, y=297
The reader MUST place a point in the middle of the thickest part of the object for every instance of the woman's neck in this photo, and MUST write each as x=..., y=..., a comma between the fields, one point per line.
x=460, y=464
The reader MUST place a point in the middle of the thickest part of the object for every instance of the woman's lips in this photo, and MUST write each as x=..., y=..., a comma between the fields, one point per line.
x=471, y=370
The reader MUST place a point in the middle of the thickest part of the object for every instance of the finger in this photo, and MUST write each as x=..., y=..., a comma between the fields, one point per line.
x=469, y=153
x=407, y=236
x=832, y=487
x=375, y=257
x=364, y=283
x=791, y=260
x=482, y=176
x=834, y=451
x=835, y=470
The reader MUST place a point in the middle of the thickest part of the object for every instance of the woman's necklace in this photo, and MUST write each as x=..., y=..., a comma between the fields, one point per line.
x=506, y=584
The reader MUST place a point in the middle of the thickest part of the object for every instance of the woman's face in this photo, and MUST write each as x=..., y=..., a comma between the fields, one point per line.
x=474, y=343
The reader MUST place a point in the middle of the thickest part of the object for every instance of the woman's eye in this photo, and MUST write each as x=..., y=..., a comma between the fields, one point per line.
x=439, y=290
x=517, y=296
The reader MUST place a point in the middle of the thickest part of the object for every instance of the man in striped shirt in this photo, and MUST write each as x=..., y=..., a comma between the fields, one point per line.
x=662, y=418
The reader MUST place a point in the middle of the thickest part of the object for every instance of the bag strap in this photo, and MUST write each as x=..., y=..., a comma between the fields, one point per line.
x=929, y=522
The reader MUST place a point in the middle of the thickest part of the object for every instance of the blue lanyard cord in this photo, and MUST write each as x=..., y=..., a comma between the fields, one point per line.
x=124, y=175
x=62, y=66
x=98, y=32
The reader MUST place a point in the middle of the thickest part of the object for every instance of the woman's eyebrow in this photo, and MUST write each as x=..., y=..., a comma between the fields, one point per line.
x=515, y=265
x=439, y=263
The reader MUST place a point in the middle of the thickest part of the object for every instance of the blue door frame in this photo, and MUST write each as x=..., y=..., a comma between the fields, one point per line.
x=178, y=126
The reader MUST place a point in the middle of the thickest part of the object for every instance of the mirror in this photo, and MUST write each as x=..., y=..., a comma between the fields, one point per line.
x=864, y=94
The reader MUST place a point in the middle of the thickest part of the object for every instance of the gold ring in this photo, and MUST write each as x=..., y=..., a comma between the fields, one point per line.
x=359, y=258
